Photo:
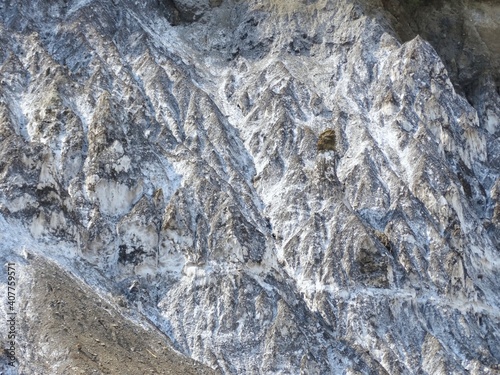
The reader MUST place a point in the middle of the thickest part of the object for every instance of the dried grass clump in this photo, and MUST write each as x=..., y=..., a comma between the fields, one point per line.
x=327, y=141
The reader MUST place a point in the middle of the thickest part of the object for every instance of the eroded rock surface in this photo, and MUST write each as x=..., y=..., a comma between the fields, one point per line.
x=464, y=33
x=174, y=164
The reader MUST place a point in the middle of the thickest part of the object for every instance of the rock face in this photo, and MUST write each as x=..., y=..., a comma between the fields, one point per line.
x=192, y=10
x=280, y=187
x=463, y=32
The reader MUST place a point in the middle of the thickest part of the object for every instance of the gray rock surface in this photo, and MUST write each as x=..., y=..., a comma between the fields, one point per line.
x=192, y=10
x=169, y=155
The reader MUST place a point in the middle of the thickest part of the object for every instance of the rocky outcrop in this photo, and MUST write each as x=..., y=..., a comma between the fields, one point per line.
x=279, y=187
x=462, y=32
x=188, y=10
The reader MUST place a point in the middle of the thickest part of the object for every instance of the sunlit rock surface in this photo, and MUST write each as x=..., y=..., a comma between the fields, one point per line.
x=279, y=187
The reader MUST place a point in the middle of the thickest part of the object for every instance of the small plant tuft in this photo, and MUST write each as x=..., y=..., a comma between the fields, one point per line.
x=327, y=141
x=384, y=240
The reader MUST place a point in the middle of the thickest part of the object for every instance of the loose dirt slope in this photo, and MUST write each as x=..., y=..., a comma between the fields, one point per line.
x=72, y=328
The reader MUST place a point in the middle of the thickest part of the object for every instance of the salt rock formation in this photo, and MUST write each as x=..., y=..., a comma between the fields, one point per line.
x=166, y=159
